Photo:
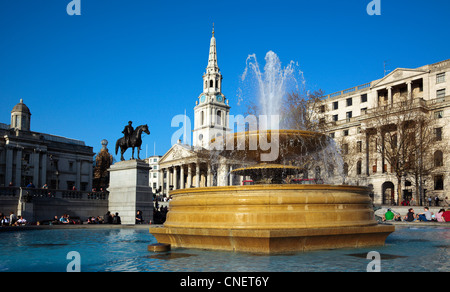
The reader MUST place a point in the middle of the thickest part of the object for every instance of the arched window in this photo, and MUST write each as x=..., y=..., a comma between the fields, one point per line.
x=219, y=117
x=202, y=118
x=217, y=83
x=438, y=158
x=359, y=167
x=206, y=84
x=345, y=169
x=211, y=83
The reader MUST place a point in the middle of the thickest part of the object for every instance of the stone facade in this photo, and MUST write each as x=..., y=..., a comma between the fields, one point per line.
x=349, y=117
x=27, y=156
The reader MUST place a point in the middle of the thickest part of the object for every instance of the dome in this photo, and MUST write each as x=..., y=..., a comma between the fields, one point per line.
x=21, y=107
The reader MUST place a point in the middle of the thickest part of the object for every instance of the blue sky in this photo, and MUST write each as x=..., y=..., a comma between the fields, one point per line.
x=85, y=77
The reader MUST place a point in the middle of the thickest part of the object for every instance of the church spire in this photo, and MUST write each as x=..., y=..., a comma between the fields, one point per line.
x=212, y=60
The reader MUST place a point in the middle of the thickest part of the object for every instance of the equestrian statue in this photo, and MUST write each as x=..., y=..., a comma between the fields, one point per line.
x=132, y=139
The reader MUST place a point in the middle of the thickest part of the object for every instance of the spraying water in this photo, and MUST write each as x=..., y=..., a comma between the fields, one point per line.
x=269, y=86
x=265, y=92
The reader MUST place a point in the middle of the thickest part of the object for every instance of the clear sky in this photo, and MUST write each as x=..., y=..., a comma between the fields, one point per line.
x=85, y=77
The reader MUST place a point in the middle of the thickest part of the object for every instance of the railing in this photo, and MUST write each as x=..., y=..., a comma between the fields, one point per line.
x=349, y=90
x=28, y=194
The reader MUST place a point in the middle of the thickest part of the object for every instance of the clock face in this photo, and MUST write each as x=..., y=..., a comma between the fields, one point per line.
x=202, y=98
x=219, y=98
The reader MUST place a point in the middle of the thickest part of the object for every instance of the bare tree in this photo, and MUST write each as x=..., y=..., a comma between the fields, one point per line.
x=403, y=134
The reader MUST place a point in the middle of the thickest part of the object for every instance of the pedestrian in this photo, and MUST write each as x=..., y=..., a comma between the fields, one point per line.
x=436, y=201
x=116, y=219
x=446, y=202
x=108, y=218
x=139, y=219
x=12, y=218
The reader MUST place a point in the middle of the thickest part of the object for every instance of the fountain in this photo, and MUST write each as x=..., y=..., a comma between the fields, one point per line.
x=271, y=216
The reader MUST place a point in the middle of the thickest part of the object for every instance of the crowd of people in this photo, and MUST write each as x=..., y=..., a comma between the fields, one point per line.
x=12, y=220
x=425, y=216
x=428, y=201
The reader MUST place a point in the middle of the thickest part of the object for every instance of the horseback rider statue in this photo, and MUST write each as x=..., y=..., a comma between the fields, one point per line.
x=132, y=139
x=128, y=131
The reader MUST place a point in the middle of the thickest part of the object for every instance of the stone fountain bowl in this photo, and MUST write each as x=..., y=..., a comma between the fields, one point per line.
x=272, y=218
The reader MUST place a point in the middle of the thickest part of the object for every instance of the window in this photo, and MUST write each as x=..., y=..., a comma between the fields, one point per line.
x=346, y=132
x=202, y=118
x=211, y=83
x=440, y=94
x=438, y=158
x=359, y=146
x=348, y=116
x=438, y=182
x=345, y=149
x=438, y=134
x=345, y=169
x=335, y=105
x=349, y=101
x=219, y=117
x=335, y=118
x=363, y=98
x=359, y=167
x=332, y=135
x=440, y=78
x=439, y=114
x=322, y=109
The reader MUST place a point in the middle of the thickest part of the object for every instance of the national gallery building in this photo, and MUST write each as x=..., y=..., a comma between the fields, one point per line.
x=39, y=158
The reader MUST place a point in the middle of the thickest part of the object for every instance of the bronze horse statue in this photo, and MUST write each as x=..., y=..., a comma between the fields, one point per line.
x=135, y=141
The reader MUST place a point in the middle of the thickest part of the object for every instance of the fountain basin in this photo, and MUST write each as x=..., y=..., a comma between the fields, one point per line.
x=272, y=218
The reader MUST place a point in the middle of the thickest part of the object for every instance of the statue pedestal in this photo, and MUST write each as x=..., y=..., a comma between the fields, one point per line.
x=129, y=191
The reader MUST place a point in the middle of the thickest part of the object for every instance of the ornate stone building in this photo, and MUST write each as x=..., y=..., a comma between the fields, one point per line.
x=27, y=156
x=352, y=118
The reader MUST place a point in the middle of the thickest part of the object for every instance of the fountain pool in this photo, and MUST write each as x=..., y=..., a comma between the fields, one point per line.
x=408, y=249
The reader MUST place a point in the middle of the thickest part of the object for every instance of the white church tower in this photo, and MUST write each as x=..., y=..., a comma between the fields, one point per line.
x=212, y=109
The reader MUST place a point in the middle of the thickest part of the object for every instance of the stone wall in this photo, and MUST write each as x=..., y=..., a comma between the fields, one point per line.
x=39, y=204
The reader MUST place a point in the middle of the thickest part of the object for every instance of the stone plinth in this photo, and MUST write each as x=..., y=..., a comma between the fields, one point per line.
x=129, y=191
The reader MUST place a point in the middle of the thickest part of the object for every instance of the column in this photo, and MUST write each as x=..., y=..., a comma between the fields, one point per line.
x=175, y=178
x=182, y=185
x=44, y=168
x=9, y=165
x=390, y=101
x=231, y=175
x=209, y=177
x=197, y=175
x=367, y=155
x=189, y=176
x=36, y=155
x=409, y=84
x=78, y=178
x=18, y=179
x=161, y=180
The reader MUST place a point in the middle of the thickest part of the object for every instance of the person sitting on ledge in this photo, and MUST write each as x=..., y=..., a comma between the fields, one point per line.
x=410, y=217
x=439, y=217
x=389, y=215
x=446, y=215
x=426, y=215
